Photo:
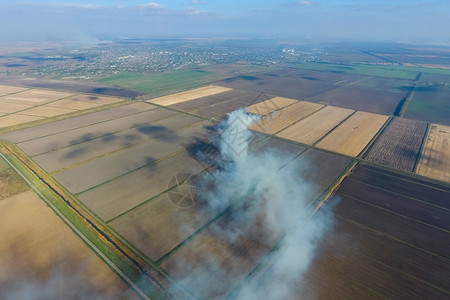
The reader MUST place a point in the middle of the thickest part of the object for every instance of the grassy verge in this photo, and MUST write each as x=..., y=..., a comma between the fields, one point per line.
x=148, y=279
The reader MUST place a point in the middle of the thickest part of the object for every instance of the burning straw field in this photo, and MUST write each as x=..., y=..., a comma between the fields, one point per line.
x=154, y=177
x=220, y=210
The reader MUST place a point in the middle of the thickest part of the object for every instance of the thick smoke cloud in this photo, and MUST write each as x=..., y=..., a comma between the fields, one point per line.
x=270, y=202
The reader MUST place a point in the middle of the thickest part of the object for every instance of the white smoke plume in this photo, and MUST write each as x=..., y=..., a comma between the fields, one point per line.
x=270, y=202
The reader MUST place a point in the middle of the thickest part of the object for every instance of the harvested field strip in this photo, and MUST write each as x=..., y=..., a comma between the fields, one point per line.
x=352, y=136
x=435, y=157
x=46, y=112
x=7, y=89
x=399, y=145
x=77, y=136
x=284, y=117
x=10, y=120
x=86, y=176
x=403, y=185
x=189, y=95
x=271, y=105
x=312, y=128
x=68, y=157
x=73, y=123
x=107, y=201
x=202, y=102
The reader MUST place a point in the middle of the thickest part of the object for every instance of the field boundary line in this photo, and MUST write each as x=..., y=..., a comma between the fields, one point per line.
x=422, y=147
x=332, y=129
x=405, y=273
x=101, y=136
x=409, y=97
x=122, y=149
x=389, y=236
x=161, y=193
x=61, y=117
x=79, y=233
x=395, y=213
x=42, y=104
x=365, y=151
x=375, y=137
x=101, y=235
x=13, y=93
x=95, y=108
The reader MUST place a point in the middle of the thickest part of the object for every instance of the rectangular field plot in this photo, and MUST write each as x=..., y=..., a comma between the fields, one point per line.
x=207, y=101
x=76, y=154
x=35, y=96
x=188, y=95
x=271, y=105
x=399, y=145
x=76, y=122
x=435, y=157
x=225, y=252
x=284, y=117
x=352, y=136
x=88, y=175
x=46, y=112
x=7, y=89
x=383, y=240
x=312, y=128
x=123, y=193
x=14, y=119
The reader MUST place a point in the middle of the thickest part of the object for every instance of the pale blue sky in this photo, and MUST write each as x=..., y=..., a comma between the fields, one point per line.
x=412, y=21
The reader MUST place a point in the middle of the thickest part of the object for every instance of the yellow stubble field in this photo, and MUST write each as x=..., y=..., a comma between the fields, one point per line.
x=189, y=95
x=312, y=128
x=352, y=136
x=435, y=157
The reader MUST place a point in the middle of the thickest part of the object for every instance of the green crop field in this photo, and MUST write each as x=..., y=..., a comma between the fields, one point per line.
x=160, y=84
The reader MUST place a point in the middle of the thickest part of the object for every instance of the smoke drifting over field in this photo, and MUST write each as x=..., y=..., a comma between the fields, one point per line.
x=270, y=201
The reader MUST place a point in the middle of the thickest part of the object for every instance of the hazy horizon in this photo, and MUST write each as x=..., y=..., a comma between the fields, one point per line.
x=415, y=22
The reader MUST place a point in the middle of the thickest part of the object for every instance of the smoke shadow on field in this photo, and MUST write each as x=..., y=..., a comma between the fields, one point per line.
x=83, y=138
x=75, y=153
